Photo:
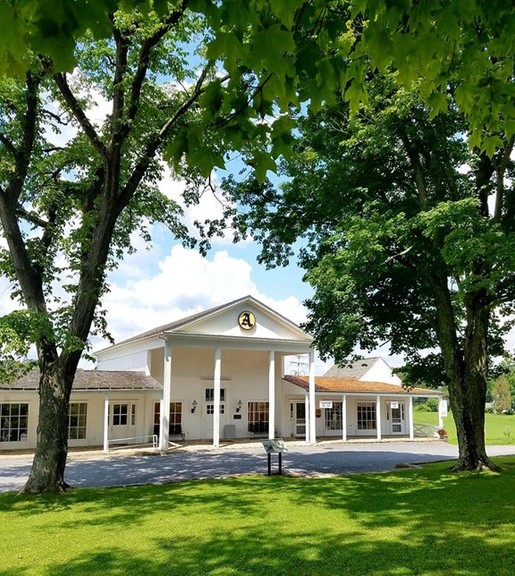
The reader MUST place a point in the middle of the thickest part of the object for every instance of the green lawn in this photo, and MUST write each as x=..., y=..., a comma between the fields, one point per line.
x=425, y=522
x=499, y=428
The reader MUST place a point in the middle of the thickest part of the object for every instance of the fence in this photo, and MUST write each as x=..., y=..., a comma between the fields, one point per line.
x=425, y=431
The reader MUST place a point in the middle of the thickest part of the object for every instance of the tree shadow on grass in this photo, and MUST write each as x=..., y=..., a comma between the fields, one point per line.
x=427, y=522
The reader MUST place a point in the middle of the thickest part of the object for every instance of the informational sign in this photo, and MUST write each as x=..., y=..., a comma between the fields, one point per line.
x=394, y=405
x=442, y=408
x=326, y=403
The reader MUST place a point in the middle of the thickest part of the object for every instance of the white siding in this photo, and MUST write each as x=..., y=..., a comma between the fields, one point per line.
x=135, y=362
x=381, y=372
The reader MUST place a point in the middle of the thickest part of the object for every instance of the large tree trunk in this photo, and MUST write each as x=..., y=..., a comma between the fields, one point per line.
x=468, y=394
x=466, y=369
x=467, y=400
x=47, y=473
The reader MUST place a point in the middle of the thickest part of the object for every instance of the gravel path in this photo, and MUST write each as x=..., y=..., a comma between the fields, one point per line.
x=123, y=468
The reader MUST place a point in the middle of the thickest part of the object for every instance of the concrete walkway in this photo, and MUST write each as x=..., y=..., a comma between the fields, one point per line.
x=123, y=468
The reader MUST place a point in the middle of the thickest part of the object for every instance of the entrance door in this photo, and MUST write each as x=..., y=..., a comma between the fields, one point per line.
x=299, y=418
x=122, y=420
x=209, y=410
x=397, y=418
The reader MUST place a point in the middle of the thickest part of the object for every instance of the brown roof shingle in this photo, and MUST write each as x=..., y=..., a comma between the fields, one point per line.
x=352, y=385
x=93, y=380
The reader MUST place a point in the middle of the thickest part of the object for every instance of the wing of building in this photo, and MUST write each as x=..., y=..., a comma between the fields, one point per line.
x=217, y=375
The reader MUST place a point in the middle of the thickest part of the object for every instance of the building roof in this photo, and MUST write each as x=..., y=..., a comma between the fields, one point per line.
x=354, y=386
x=176, y=325
x=356, y=369
x=93, y=380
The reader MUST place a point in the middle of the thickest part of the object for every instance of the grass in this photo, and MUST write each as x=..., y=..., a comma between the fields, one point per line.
x=425, y=522
x=499, y=428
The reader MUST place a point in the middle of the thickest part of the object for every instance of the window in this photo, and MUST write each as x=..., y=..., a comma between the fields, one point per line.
x=175, y=418
x=120, y=413
x=257, y=415
x=13, y=422
x=210, y=409
x=210, y=395
x=366, y=416
x=333, y=417
x=77, y=415
x=175, y=424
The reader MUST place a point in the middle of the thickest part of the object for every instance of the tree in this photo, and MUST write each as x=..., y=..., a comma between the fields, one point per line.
x=408, y=238
x=467, y=43
x=501, y=394
x=188, y=82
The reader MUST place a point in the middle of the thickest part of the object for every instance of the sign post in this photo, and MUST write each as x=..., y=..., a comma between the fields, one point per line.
x=442, y=411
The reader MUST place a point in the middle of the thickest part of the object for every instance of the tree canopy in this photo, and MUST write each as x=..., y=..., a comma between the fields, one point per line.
x=407, y=236
x=462, y=45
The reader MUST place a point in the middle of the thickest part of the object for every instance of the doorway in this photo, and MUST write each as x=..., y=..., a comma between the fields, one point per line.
x=396, y=412
x=298, y=410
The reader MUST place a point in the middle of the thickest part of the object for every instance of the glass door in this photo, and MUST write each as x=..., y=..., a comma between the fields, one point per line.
x=300, y=419
x=397, y=417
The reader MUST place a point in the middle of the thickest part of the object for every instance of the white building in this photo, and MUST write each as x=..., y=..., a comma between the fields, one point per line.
x=221, y=375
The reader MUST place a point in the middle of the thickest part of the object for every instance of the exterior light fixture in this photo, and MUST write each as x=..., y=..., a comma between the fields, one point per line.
x=193, y=406
x=239, y=405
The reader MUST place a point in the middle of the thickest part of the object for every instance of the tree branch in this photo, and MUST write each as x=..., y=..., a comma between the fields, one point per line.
x=139, y=171
x=144, y=57
x=80, y=116
x=8, y=144
x=500, y=169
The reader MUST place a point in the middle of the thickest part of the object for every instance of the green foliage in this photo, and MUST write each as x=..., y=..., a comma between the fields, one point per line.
x=501, y=395
x=405, y=234
x=385, y=203
x=183, y=528
x=430, y=405
x=18, y=331
x=465, y=47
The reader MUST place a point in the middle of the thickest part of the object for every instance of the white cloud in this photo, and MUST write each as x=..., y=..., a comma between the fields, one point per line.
x=210, y=205
x=185, y=283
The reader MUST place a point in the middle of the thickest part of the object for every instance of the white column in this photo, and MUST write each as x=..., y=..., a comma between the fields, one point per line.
x=312, y=418
x=344, y=418
x=378, y=417
x=216, y=406
x=306, y=415
x=410, y=416
x=271, y=395
x=164, y=421
x=106, y=424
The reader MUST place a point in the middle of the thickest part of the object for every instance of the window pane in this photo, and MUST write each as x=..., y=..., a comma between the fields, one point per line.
x=13, y=422
x=176, y=413
x=366, y=416
x=333, y=417
x=77, y=417
x=257, y=417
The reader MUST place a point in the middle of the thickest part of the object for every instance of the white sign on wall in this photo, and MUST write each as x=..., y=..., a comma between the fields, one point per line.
x=442, y=408
x=394, y=405
x=326, y=403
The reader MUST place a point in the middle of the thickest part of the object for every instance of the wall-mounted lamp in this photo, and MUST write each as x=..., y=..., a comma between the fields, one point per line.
x=193, y=406
x=239, y=405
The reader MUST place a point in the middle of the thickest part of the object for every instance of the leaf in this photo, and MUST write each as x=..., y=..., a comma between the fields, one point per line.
x=262, y=162
x=491, y=144
x=437, y=102
x=285, y=10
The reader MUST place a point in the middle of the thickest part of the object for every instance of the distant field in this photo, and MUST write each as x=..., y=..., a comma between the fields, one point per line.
x=499, y=428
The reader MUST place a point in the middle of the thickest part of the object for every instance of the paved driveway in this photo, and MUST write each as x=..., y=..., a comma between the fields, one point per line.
x=193, y=462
